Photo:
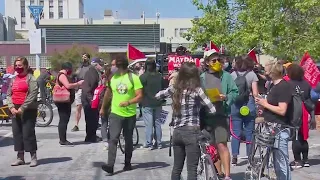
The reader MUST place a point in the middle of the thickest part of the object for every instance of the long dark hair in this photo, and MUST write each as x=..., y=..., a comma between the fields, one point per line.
x=188, y=79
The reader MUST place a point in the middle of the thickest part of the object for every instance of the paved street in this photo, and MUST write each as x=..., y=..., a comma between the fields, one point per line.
x=83, y=161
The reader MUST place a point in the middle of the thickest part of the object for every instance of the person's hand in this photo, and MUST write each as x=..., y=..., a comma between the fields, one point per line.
x=124, y=104
x=261, y=102
x=221, y=97
x=101, y=112
x=13, y=111
x=19, y=111
x=80, y=82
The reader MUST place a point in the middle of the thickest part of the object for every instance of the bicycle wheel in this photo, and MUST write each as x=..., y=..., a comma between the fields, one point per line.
x=269, y=170
x=44, y=115
x=206, y=169
x=135, y=139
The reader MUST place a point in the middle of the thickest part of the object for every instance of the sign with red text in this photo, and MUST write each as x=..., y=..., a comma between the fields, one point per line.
x=175, y=61
x=311, y=71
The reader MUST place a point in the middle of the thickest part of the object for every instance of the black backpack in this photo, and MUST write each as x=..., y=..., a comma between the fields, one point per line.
x=244, y=91
x=295, y=114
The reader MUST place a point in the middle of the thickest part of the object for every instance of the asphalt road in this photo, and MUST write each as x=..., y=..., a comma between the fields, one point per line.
x=83, y=161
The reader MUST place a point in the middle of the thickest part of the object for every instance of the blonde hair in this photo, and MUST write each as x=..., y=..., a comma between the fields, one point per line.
x=276, y=69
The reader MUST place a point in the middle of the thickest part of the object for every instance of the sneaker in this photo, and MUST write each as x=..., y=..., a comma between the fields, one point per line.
x=221, y=176
x=107, y=168
x=105, y=146
x=227, y=178
x=234, y=161
x=159, y=146
x=127, y=167
x=296, y=165
x=148, y=147
x=66, y=143
x=306, y=163
x=75, y=128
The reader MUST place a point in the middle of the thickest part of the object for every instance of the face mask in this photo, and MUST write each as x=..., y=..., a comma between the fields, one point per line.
x=225, y=65
x=114, y=69
x=216, y=67
x=69, y=72
x=19, y=70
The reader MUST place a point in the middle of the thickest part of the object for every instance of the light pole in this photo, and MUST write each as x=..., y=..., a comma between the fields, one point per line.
x=158, y=16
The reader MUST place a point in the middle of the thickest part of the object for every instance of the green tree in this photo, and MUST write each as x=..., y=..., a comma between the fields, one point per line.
x=74, y=55
x=281, y=28
x=19, y=36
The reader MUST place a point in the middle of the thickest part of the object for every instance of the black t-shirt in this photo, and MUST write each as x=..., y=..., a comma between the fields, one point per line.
x=281, y=92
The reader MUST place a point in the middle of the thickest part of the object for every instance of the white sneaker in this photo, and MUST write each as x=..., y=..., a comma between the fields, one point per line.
x=105, y=146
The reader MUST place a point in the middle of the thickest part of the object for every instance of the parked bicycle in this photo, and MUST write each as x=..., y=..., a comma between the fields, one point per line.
x=261, y=161
x=135, y=138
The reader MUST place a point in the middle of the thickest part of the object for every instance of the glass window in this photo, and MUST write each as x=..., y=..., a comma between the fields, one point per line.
x=183, y=30
x=31, y=2
x=41, y=3
x=176, y=32
x=60, y=2
x=23, y=25
x=51, y=15
x=162, y=32
x=50, y=3
x=60, y=15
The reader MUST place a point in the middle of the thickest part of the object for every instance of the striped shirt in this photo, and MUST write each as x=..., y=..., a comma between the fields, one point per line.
x=190, y=106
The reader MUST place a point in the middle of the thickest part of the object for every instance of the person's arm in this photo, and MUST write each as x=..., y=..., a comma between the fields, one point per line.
x=232, y=91
x=254, y=85
x=90, y=77
x=106, y=98
x=164, y=93
x=9, y=94
x=32, y=93
x=138, y=90
x=206, y=101
x=65, y=82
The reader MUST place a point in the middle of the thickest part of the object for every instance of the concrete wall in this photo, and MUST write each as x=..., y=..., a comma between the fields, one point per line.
x=2, y=28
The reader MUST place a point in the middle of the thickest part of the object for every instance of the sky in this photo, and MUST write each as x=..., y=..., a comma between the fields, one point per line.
x=134, y=8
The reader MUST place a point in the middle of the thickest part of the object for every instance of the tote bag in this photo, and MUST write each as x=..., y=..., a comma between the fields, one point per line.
x=60, y=93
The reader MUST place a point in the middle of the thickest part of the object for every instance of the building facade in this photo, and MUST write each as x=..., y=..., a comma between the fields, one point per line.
x=52, y=9
x=7, y=28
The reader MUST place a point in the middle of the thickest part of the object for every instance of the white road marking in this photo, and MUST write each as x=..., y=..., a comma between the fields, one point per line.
x=5, y=136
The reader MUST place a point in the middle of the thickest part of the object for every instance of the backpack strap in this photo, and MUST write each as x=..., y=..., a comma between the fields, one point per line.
x=58, y=81
x=131, y=79
x=244, y=75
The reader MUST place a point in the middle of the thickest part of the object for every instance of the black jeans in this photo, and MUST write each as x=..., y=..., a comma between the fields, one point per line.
x=92, y=120
x=185, y=144
x=64, y=110
x=299, y=147
x=23, y=129
x=116, y=124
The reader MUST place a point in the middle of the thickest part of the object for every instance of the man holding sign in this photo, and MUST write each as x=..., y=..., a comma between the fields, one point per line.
x=222, y=91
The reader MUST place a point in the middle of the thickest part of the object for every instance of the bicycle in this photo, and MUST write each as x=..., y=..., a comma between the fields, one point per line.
x=135, y=139
x=49, y=92
x=265, y=142
x=206, y=169
x=42, y=114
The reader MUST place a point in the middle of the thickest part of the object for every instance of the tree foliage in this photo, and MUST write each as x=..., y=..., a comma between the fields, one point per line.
x=74, y=55
x=284, y=29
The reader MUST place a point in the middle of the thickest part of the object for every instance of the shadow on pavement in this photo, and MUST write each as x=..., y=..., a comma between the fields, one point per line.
x=150, y=165
x=239, y=175
x=80, y=143
x=7, y=141
x=314, y=162
x=13, y=178
x=53, y=160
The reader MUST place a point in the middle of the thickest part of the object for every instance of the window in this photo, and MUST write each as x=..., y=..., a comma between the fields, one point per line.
x=162, y=32
x=183, y=31
x=23, y=25
x=60, y=15
x=50, y=3
x=31, y=2
x=41, y=3
x=51, y=16
x=176, y=32
x=23, y=8
x=60, y=3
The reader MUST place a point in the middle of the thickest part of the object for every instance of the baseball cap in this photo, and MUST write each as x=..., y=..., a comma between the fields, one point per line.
x=209, y=53
x=97, y=60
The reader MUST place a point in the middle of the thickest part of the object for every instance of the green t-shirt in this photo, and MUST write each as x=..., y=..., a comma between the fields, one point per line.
x=122, y=91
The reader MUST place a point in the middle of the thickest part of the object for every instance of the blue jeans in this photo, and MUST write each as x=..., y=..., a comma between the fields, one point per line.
x=239, y=125
x=281, y=142
x=150, y=116
x=243, y=124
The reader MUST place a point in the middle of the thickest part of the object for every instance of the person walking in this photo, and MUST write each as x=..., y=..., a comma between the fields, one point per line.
x=188, y=97
x=247, y=92
x=124, y=92
x=80, y=73
x=151, y=107
x=91, y=81
x=22, y=102
x=64, y=108
x=216, y=78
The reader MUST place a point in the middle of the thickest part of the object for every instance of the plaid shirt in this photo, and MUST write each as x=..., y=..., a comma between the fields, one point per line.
x=190, y=106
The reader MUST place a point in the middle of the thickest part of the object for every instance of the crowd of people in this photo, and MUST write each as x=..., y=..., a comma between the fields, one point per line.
x=238, y=82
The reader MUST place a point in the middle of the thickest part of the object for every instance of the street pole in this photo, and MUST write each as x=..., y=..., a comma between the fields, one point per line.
x=37, y=55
